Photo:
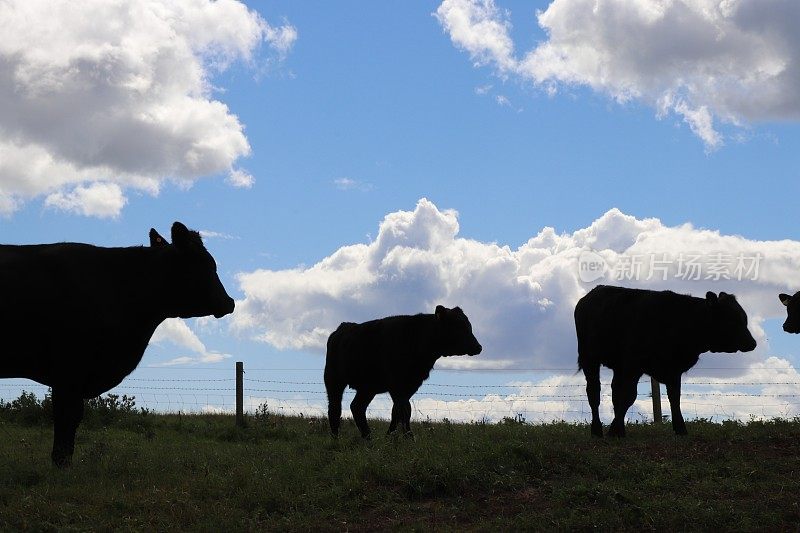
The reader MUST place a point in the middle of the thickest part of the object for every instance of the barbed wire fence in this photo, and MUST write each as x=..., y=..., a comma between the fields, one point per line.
x=555, y=396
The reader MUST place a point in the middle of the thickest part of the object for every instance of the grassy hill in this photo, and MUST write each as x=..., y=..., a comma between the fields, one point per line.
x=140, y=471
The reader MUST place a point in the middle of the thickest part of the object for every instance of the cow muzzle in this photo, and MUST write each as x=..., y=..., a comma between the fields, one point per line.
x=791, y=328
x=228, y=308
x=750, y=345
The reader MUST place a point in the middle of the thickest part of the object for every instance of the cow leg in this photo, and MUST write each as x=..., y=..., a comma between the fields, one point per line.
x=396, y=415
x=623, y=394
x=67, y=414
x=335, y=391
x=359, y=409
x=592, y=375
x=401, y=413
x=406, y=417
x=674, y=395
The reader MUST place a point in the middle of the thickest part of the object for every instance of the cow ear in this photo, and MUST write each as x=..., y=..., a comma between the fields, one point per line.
x=440, y=311
x=157, y=240
x=711, y=297
x=784, y=298
x=180, y=234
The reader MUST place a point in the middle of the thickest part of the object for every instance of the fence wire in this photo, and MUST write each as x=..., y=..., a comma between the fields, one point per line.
x=552, y=397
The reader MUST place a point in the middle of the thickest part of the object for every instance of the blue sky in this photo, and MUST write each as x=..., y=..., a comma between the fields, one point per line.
x=386, y=97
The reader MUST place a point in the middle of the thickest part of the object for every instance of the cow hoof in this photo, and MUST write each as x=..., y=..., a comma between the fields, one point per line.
x=681, y=431
x=616, y=433
x=62, y=461
x=597, y=430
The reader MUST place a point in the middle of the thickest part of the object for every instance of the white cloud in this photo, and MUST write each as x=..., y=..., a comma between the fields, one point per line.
x=520, y=301
x=349, y=184
x=8, y=204
x=95, y=93
x=345, y=183
x=503, y=101
x=731, y=61
x=207, y=234
x=240, y=178
x=282, y=39
x=209, y=357
x=97, y=199
x=176, y=332
x=481, y=29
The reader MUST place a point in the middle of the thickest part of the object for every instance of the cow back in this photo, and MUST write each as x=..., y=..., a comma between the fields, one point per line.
x=383, y=354
x=619, y=327
x=75, y=312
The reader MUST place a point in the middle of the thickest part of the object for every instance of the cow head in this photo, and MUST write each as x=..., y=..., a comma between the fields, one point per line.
x=188, y=276
x=792, y=303
x=729, y=331
x=456, y=332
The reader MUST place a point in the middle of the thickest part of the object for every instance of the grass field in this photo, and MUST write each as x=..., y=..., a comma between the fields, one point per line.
x=199, y=472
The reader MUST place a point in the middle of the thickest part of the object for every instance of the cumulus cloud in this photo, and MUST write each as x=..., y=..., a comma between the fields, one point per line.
x=175, y=331
x=703, y=60
x=520, y=301
x=481, y=29
x=96, y=199
x=240, y=178
x=97, y=96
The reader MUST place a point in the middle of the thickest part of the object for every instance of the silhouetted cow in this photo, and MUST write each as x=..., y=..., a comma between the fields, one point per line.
x=661, y=334
x=78, y=317
x=792, y=303
x=394, y=355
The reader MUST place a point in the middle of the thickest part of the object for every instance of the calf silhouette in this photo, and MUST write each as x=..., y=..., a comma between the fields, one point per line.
x=792, y=303
x=78, y=318
x=394, y=355
x=661, y=334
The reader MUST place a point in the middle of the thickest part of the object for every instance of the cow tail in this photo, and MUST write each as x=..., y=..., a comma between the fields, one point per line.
x=578, y=328
x=582, y=355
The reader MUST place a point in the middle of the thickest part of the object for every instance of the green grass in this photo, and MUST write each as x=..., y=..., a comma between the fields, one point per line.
x=172, y=472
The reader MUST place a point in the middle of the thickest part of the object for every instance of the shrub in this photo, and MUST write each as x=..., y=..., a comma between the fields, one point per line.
x=101, y=411
x=28, y=409
x=111, y=409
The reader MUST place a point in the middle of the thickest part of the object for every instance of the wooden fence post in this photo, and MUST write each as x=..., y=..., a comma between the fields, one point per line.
x=240, y=394
x=655, y=389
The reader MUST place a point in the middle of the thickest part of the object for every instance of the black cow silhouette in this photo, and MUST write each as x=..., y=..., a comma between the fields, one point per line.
x=792, y=303
x=661, y=334
x=394, y=355
x=78, y=318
